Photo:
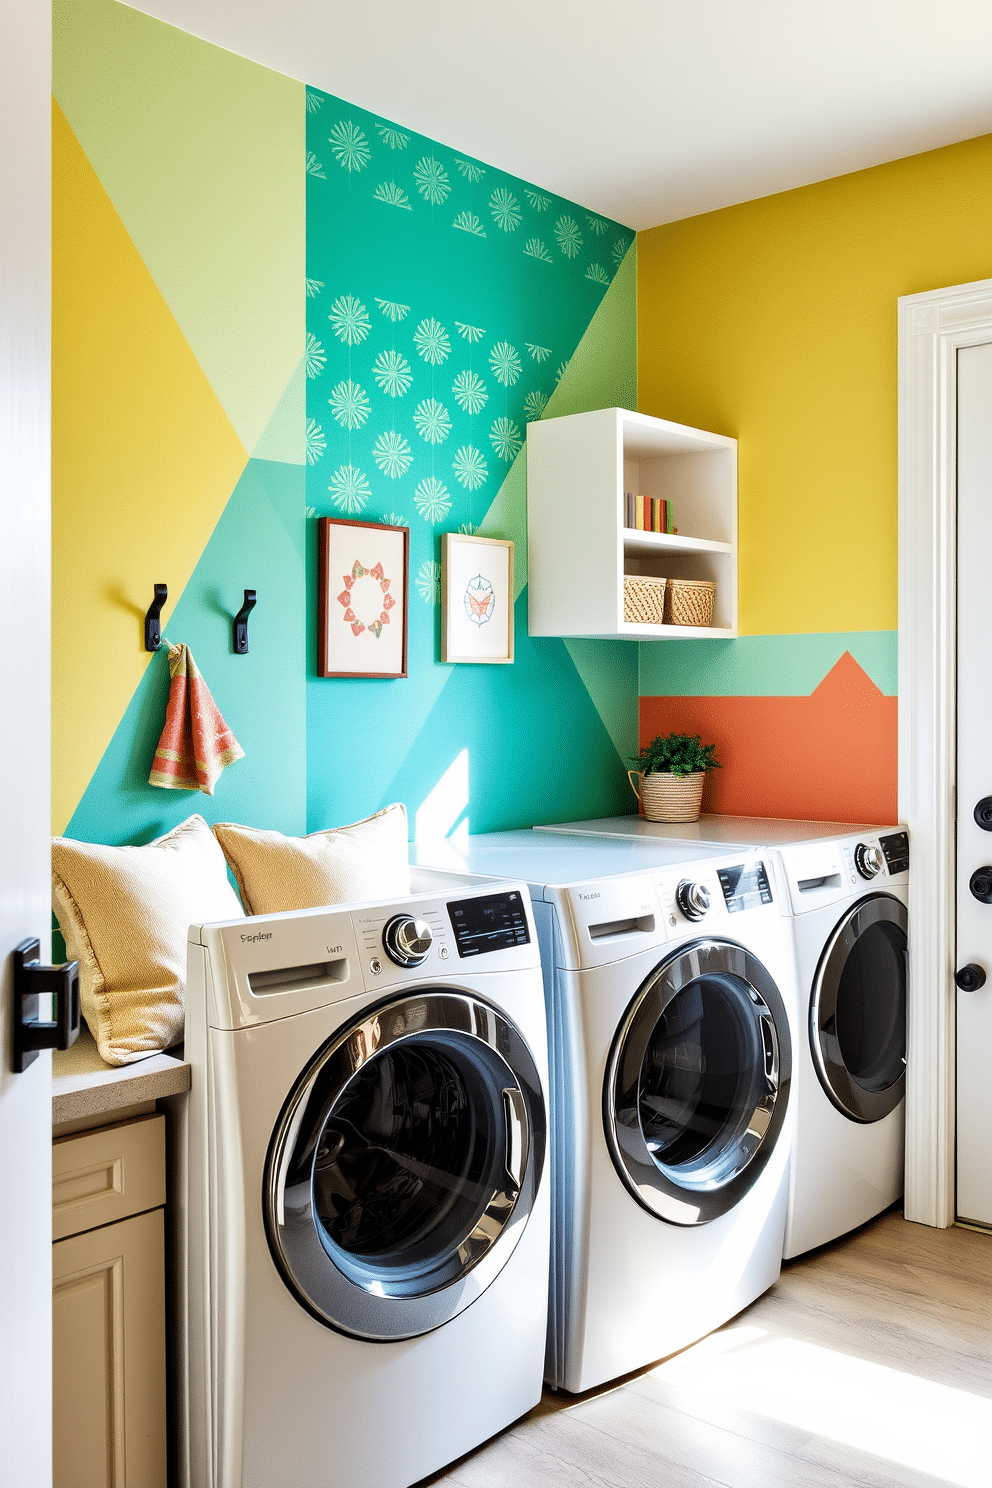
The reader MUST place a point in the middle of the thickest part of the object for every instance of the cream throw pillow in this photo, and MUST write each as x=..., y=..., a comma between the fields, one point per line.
x=125, y=913
x=367, y=860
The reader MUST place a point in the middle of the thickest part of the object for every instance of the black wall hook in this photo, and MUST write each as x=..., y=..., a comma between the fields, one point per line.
x=241, y=623
x=153, y=618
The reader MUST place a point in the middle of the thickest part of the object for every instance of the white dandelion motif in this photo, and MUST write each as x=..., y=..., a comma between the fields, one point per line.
x=349, y=489
x=392, y=195
x=505, y=363
x=597, y=274
x=392, y=372
x=470, y=467
x=349, y=405
x=392, y=454
x=538, y=202
x=314, y=286
x=468, y=222
x=534, y=248
x=505, y=209
x=350, y=320
x=314, y=167
x=619, y=250
x=314, y=102
x=469, y=333
x=316, y=444
x=470, y=170
x=392, y=310
x=432, y=500
x=506, y=438
x=598, y=225
x=394, y=138
x=568, y=235
x=350, y=145
x=393, y=519
x=432, y=180
x=560, y=371
x=470, y=392
x=429, y=581
x=432, y=420
x=314, y=358
x=431, y=340
x=539, y=353
x=534, y=405
x=468, y=529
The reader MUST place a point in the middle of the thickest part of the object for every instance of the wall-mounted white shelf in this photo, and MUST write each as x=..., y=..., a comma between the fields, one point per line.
x=578, y=469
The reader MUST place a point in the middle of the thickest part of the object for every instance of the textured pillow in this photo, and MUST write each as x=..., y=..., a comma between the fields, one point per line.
x=125, y=913
x=367, y=860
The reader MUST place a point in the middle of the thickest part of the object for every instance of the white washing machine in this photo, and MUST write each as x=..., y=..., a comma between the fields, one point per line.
x=365, y=1276
x=672, y=1017
x=849, y=901
x=848, y=890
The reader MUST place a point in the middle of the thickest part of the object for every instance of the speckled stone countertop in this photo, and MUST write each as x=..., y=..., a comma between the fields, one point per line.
x=82, y=1085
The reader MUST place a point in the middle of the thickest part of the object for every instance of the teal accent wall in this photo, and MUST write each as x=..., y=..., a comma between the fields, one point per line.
x=764, y=666
x=448, y=305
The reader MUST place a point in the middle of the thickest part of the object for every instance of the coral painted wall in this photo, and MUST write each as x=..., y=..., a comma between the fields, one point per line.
x=775, y=321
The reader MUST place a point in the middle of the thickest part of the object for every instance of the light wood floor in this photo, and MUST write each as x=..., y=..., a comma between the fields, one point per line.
x=869, y=1363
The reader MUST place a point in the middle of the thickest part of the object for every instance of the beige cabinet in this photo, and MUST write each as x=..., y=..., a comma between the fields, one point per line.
x=109, y=1412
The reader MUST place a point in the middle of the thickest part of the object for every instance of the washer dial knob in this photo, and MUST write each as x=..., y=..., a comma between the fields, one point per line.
x=693, y=899
x=407, y=940
x=868, y=860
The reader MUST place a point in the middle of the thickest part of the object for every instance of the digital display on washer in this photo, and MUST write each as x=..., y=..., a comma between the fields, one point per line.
x=745, y=887
x=896, y=850
x=493, y=923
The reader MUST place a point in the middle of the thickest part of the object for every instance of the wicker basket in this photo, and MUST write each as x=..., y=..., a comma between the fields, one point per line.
x=669, y=798
x=643, y=599
x=689, y=602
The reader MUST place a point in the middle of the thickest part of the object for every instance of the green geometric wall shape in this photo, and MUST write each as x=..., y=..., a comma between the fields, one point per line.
x=284, y=436
x=537, y=748
x=764, y=666
x=201, y=153
x=262, y=695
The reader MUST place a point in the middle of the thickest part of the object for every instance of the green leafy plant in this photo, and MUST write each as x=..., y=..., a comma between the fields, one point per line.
x=677, y=754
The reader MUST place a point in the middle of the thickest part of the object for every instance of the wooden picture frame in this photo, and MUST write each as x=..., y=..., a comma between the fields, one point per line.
x=476, y=594
x=363, y=592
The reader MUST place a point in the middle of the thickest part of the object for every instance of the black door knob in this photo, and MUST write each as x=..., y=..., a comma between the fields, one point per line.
x=980, y=884
x=983, y=813
x=970, y=977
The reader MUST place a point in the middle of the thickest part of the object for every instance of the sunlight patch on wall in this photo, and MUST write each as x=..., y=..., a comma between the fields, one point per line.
x=444, y=808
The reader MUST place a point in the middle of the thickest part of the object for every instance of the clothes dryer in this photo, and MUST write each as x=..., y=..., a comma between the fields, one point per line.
x=366, y=1226
x=672, y=1020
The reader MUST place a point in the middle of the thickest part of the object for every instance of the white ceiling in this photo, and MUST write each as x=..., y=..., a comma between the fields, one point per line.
x=644, y=110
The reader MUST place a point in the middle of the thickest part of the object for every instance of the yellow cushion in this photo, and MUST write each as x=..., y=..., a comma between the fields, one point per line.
x=366, y=860
x=125, y=913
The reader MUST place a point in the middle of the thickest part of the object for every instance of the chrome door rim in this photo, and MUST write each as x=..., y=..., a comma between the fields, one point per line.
x=850, y=1097
x=652, y=1188
x=476, y=1030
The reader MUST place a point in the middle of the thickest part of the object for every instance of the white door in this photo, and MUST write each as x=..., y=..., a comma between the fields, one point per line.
x=25, y=881
x=974, y=786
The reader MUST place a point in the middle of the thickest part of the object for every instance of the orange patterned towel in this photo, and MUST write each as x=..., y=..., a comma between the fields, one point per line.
x=196, y=743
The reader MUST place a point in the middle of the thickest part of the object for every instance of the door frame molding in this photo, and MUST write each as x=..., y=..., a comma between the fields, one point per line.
x=932, y=326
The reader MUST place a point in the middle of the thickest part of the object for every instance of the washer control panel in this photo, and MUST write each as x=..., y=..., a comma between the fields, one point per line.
x=492, y=922
x=745, y=886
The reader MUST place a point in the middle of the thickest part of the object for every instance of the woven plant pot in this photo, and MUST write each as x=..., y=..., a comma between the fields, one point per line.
x=669, y=798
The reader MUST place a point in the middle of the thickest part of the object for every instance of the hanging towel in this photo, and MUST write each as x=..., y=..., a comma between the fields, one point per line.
x=196, y=743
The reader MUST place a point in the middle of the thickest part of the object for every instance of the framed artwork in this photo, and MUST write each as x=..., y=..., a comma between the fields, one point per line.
x=476, y=599
x=362, y=599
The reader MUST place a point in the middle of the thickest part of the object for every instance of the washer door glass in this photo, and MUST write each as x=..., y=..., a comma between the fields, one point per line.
x=857, y=1021
x=697, y=1084
x=405, y=1164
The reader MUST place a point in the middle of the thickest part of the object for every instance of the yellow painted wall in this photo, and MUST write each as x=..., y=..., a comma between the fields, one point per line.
x=775, y=322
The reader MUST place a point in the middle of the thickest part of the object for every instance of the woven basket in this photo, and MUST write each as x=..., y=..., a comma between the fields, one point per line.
x=669, y=798
x=689, y=602
x=643, y=599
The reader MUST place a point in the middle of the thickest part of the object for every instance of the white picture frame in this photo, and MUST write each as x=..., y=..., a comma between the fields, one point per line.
x=476, y=600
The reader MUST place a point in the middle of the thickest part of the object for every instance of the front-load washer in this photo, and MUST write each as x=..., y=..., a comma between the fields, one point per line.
x=849, y=901
x=672, y=1021
x=365, y=1278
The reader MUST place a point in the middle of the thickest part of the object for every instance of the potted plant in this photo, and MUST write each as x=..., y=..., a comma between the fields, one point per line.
x=669, y=777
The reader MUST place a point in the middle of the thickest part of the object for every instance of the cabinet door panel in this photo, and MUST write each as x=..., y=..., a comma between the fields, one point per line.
x=105, y=1175
x=109, y=1356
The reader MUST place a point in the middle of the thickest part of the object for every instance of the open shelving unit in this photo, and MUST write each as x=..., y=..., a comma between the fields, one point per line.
x=578, y=469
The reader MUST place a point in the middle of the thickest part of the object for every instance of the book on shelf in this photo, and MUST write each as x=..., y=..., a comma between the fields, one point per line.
x=647, y=513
